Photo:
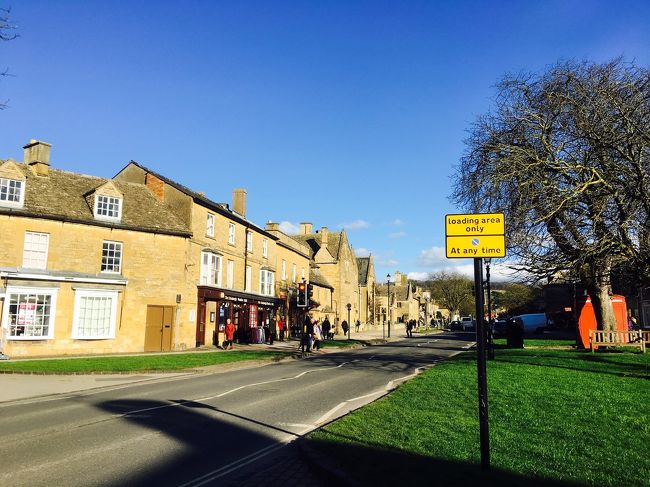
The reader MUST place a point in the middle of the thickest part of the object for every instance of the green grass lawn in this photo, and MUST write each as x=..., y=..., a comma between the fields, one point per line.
x=135, y=363
x=557, y=417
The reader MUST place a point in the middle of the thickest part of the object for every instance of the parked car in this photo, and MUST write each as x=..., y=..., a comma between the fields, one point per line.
x=499, y=328
x=468, y=323
x=456, y=326
x=532, y=323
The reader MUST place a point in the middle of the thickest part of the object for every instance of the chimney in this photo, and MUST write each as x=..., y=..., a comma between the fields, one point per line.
x=37, y=156
x=155, y=185
x=306, y=228
x=239, y=201
x=272, y=227
x=324, y=235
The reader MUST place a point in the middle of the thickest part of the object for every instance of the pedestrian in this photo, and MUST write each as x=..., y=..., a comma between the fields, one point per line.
x=357, y=325
x=345, y=327
x=318, y=335
x=281, y=326
x=230, y=335
x=307, y=334
x=326, y=329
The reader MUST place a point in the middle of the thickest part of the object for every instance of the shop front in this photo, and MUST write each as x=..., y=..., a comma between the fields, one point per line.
x=253, y=315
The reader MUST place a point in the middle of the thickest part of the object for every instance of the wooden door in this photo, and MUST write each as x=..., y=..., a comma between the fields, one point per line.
x=159, y=327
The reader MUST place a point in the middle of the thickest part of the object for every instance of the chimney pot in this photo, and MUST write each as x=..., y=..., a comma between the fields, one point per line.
x=272, y=226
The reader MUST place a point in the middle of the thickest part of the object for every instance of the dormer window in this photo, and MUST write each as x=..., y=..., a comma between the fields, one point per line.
x=108, y=208
x=12, y=192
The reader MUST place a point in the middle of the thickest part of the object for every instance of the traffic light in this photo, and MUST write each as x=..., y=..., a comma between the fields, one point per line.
x=302, y=295
x=310, y=293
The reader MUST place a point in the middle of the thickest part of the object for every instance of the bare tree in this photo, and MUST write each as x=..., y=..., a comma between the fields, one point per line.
x=453, y=291
x=566, y=156
x=6, y=34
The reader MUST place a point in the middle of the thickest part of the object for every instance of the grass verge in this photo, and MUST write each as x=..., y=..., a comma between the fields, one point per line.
x=557, y=417
x=136, y=363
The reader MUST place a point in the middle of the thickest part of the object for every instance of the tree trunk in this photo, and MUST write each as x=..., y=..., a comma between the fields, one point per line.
x=599, y=288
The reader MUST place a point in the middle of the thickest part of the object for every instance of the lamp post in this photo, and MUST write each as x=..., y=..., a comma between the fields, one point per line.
x=349, y=306
x=388, y=295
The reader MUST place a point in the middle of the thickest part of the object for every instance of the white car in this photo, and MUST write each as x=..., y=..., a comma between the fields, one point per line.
x=467, y=323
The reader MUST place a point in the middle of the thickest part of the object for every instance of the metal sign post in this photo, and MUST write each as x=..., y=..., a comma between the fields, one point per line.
x=478, y=236
x=481, y=366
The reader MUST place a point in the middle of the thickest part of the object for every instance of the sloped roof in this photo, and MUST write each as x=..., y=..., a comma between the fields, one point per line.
x=222, y=208
x=315, y=277
x=363, y=263
x=66, y=196
x=314, y=242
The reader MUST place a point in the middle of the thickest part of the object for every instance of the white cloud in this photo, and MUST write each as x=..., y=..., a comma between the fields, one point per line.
x=356, y=225
x=362, y=252
x=397, y=222
x=397, y=235
x=418, y=276
x=289, y=228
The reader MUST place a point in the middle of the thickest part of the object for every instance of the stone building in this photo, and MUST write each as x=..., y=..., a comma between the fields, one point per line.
x=88, y=265
x=293, y=262
x=332, y=254
x=366, y=268
x=231, y=262
x=323, y=297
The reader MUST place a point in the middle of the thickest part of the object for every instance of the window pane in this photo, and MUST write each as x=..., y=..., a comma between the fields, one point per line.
x=10, y=190
x=111, y=257
x=94, y=319
x=108, y=206
x=29, y=315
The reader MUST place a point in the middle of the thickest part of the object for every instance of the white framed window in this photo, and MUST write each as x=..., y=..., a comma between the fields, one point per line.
x=266, y=283
x=302, y=273
x=95, y=313
x=12, y=192
x=108, y=207
x=35, y=250
x=209, y=225
x=210, y=269
x=111, y=257
x=29, y=313
x=265, y=248
x=231, y=233
x=284, y=270
x=230, y=274
x=249, y=242
x=293, y=272
x=249, y=278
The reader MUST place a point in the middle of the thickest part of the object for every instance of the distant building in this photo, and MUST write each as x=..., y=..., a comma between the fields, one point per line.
x=366, y=268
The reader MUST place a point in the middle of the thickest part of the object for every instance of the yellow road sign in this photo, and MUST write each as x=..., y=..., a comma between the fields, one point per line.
x=475, y=246
x=475, y=224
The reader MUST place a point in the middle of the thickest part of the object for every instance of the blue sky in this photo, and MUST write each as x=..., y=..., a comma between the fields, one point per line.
x=338, y=113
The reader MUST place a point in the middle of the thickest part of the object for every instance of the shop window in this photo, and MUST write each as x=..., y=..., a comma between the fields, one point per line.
x=95, y=313
x=29, y=313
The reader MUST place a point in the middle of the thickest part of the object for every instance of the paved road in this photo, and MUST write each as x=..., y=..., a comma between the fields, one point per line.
x=202, y=429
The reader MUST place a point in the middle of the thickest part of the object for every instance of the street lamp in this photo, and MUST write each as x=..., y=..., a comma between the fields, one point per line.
x=349, y=306
x=388, y=295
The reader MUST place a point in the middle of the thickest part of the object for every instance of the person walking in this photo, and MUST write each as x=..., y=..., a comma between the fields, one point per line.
x=230, y=335
x=345, y=327
x=281, y=326
x=326, y=329
x=307, y=334
x=318, y=335
x=357, y=325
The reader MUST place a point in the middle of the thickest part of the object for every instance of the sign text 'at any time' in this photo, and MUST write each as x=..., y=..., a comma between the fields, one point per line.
x=475, y=235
